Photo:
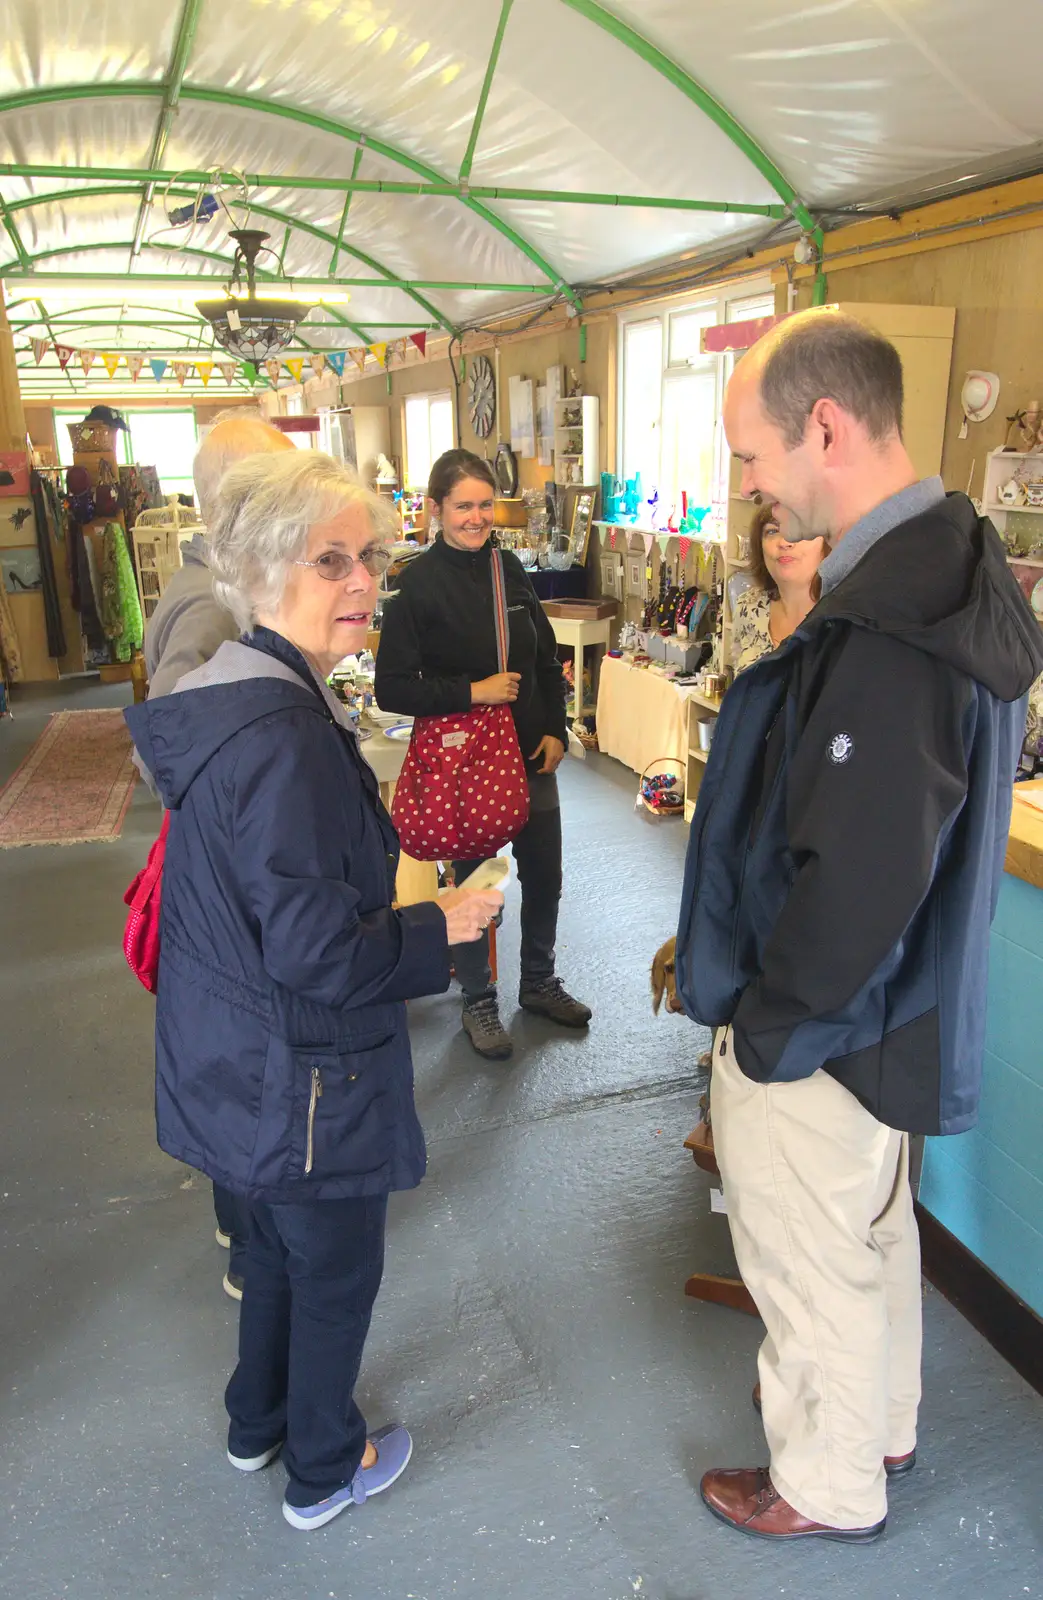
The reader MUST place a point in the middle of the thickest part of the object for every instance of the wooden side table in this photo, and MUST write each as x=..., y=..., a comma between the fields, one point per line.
x=579, y=633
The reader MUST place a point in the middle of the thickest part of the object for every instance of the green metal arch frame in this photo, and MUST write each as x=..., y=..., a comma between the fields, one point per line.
x=59, y=196
x=681, y=79
x=339, y=130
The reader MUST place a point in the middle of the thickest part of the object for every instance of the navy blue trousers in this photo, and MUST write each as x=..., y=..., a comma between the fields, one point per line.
x=312, y=1275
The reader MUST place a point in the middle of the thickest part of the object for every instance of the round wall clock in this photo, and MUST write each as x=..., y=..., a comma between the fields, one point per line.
x=481, y=396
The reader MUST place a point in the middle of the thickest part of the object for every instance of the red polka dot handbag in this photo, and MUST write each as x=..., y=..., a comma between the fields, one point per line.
x=462, y=793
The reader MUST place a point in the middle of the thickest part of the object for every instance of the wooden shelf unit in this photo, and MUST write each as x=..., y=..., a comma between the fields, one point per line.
x=700, y=708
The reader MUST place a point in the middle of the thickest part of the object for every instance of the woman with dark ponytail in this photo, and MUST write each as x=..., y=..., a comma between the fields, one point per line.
x=437, y=656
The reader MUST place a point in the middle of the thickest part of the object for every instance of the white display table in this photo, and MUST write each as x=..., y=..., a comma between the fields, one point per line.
x=642, y=716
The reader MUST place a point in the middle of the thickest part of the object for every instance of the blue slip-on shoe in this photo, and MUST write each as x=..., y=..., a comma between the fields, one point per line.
x=394, y=1448
x=255, y=1463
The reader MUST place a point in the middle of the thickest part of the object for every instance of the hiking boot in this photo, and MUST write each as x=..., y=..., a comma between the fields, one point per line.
x=482, y=1025
x=549, y=998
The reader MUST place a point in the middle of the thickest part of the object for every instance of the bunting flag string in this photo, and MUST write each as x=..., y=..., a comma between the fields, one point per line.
x=318, y=362
x=180, y=370
x=111, y=361
x=420, y=340
x=86, y=361
x=64, y=354
x=204, y=369
x=663, y=539
x=40, y=348
x=358, y=355
x=227, y=369
x=684, y=544
x=273, y=367
x=648, y=539
x=379, y=352
x=295, y=367
x=398, y=349
x=336, y=361
x=135, y=361
x=158, y=368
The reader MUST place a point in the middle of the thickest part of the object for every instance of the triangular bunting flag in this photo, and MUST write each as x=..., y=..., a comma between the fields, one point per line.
x=397, y=349
x=86, y=360
x=64, y=355
x=358, y=355
x=135, y=361
x=204, y=369
x=684, y=544
x=648, y=538
x=250, y=373
x=420, y=340
x=273, y=367
x=227, y=371
x=612, y=538
x=336, y=361
x=180, y=369
x=40, y=349
x=295, y=367
x=111, y=360
x=318, y=361
x=380, y=353
x=158, y=366
x=663, y=539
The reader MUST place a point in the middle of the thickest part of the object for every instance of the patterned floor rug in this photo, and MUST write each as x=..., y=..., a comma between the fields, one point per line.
x=75, y=784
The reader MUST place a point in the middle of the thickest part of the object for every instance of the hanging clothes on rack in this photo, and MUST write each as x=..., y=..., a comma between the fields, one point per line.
x=120, y=606
x=46, y=511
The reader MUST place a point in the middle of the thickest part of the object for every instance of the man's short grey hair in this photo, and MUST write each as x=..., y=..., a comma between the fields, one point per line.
x=261, y=518
x=236, y=432
x=825, y=355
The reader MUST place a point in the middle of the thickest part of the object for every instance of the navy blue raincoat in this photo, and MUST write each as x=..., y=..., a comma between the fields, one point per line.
x=283, y=1068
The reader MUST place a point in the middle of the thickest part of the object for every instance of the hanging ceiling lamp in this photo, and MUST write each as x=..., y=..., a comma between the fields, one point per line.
x=250, y=327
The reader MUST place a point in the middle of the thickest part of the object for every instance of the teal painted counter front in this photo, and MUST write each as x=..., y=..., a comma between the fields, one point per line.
x=986, y=1186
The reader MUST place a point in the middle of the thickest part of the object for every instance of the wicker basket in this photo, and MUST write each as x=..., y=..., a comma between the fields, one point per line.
x=589, y=741
x=92, y=437
x=660, y=767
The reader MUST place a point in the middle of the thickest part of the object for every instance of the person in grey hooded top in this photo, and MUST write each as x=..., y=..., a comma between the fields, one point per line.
x=184, y=632
x=188, y=625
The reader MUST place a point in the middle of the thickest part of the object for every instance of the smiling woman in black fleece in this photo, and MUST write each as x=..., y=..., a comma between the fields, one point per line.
x=437, y=656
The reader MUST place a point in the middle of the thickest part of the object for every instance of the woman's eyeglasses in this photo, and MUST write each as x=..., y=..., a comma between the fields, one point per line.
x=336, y=565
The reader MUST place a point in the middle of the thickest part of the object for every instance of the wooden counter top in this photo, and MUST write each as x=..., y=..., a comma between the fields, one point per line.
x=1025, y=842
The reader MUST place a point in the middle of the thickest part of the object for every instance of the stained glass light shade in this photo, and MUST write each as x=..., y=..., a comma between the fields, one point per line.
x=265, y=326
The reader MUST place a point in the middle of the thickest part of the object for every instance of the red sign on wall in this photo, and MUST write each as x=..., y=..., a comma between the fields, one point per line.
x=14, y=473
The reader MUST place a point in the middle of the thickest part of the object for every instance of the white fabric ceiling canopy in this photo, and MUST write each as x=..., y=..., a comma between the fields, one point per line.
x=836, y=103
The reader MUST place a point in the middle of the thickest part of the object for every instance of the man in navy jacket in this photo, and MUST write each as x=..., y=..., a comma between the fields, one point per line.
x=842, y=875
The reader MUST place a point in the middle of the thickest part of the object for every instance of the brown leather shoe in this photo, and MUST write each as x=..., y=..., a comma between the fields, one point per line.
x=894, y=1466
x=746, y=1499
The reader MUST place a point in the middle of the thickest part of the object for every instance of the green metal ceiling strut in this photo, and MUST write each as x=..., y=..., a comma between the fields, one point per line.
x=14, y=235
x=183, y=41
x=310, y=119
x=483, y=98
x=437, y=191
x=674, y=73
x=356, y=164
x=393, y=281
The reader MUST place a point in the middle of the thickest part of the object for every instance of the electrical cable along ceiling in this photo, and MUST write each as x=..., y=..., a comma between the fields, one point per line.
x=442, y=162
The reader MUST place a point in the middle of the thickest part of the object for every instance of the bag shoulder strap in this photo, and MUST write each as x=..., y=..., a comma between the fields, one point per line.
x=503, y=636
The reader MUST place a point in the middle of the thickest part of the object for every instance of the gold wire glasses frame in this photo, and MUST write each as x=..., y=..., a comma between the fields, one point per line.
x=336, y=565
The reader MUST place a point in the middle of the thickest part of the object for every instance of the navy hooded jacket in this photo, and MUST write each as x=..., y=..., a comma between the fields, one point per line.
x=848, y=841
x=283, y=1068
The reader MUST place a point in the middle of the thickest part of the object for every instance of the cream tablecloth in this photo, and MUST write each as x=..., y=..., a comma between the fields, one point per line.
x=641, y=715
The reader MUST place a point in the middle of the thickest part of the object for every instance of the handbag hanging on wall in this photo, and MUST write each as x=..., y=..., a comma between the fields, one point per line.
x=462, y=793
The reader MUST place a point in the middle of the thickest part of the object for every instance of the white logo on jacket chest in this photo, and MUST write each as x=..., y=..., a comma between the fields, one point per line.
x=841, y=748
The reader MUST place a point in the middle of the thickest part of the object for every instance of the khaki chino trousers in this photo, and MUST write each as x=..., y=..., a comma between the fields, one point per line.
x=821, y=1217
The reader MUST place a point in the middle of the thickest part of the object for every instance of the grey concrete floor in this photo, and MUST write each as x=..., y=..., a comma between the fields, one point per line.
x=564, y=1395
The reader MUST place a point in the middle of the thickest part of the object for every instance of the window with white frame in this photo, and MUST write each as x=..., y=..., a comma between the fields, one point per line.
x=429, y=432
x=671, y=396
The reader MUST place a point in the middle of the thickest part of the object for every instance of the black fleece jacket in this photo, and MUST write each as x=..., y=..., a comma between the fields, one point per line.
x=439, y=636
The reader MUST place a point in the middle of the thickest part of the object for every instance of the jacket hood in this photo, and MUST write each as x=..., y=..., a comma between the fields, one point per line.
x=940, y=582
x=179, y=733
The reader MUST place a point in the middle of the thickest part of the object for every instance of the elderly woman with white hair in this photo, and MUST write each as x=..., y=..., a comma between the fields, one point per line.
x=282, y=1056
